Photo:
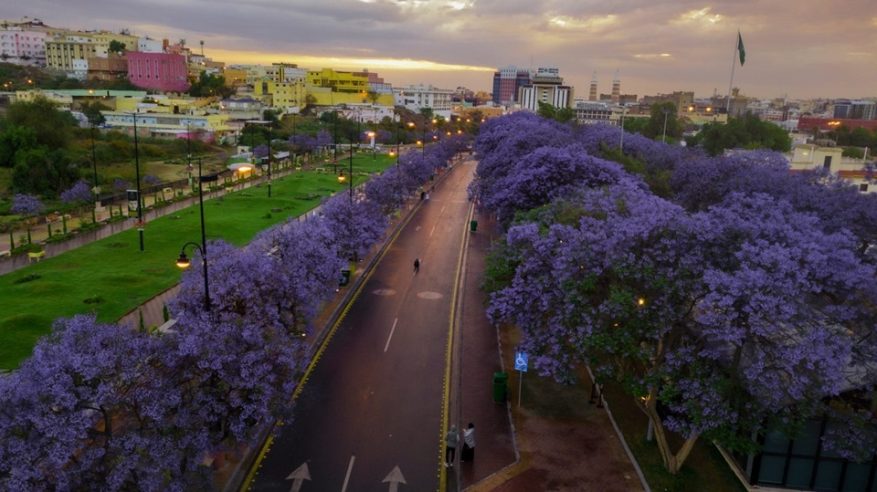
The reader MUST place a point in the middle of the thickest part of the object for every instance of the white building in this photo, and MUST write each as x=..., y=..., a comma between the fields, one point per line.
x=831, y=159
x=149, y=45
x=23, y=47
x=546, y=86
x=592, y=112
x=416, y=97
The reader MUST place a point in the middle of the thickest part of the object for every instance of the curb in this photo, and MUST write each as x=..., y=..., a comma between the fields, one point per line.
x=633, y=461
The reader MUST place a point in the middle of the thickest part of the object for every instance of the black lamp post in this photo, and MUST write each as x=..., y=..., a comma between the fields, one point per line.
x=94, y=189
x=269, y=159
x=335, y=140
x=139, y=195
x=664, y=133
x=183, y=260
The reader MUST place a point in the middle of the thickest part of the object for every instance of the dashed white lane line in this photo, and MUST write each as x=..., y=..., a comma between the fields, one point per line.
x=392, y=330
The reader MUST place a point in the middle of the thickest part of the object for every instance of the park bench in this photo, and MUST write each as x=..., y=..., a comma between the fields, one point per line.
x=39, y=255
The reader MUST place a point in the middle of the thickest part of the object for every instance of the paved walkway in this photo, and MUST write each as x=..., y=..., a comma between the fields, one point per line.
x=556, y=451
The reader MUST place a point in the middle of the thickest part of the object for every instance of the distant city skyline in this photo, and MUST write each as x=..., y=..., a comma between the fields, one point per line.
x=799, y=49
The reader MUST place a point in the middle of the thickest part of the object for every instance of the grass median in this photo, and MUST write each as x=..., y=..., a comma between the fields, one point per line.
x=112, y=276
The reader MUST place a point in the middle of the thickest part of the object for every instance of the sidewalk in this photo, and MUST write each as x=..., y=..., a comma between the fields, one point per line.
x=563, y=443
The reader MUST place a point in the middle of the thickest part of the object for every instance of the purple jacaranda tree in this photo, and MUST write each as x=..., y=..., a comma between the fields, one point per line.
x=79, y=193
x=724, y=318
x=702, y=182
x=303, y=142
x=27, y=205
x=356, y=225
x=504, y=140
x=544, y=174
x=324, y=139
x=388, y=189
x=260, y=152
x=94, y=405
x=304, y=258
x=233, y=377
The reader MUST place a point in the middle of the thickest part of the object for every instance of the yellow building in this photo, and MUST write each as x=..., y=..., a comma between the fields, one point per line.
x=65, y=54
x=281, y=94
x=324, y=96
x=234, y=76
x=104, y=38
x=344, y=82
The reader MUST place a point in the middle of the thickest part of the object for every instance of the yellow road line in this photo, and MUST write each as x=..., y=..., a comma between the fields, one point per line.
x=446, y=383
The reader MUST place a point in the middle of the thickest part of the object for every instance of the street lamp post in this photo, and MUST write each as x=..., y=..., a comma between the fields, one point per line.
x=94, y=189
x=183, y=261
x=664, y=133
x=139, y=195
x=621, y=140
x=335, y=141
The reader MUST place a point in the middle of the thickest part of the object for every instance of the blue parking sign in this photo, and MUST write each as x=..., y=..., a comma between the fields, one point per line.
x=521, y=361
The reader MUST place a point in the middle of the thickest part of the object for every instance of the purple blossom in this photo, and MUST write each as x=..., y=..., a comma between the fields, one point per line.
x=356, y=225
x=25, y=204
x=78, y=193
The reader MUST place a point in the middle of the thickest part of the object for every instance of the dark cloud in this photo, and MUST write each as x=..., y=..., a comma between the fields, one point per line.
x=803, y=48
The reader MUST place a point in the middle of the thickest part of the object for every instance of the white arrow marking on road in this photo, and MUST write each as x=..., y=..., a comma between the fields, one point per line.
x=395, y=478
x=298, y=476
x=347, y=477
x=393, y=330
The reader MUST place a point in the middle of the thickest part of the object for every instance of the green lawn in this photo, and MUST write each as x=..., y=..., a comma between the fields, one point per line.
x=111, y=277
x=705, y=469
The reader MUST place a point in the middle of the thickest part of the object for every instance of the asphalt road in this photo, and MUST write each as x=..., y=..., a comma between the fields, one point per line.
x=374, y=400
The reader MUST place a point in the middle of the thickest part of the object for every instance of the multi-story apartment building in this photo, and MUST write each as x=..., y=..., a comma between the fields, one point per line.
x=855, y=110
x=507, y=82
x=67, y=53
x=22, y=46
x=166, y=72
x=546, y=87
x=591, y=112
x=168, y=124
x=338, y=81
x=417, y=97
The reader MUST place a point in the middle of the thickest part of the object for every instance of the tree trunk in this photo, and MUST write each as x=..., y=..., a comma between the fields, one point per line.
x=672, y=462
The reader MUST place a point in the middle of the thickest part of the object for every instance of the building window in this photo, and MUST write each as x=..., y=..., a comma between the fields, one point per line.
x=863, y=187
x=826, y=163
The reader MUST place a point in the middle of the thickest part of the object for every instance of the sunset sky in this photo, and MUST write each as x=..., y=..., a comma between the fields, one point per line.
x=799, y=48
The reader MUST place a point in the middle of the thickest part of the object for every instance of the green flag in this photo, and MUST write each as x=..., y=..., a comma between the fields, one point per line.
x=740, y=48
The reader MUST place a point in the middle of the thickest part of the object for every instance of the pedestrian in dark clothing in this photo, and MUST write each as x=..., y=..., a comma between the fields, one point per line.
x=451, y=441
x=468, y=453
x=416, y=265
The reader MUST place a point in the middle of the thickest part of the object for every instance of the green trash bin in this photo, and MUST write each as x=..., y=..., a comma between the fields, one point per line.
x=500, y=386
x=473, y=225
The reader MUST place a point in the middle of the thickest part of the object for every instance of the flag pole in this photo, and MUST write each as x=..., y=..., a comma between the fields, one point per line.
x=731, y=82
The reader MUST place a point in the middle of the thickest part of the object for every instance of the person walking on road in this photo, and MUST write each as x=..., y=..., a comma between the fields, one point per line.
x=451, y=441
x=416, y=265
x=468, y=453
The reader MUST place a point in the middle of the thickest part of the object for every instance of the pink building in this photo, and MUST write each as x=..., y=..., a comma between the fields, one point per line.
x=164, y=72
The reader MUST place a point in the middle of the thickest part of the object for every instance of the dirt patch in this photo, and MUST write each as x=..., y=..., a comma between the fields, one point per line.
x=566, y=443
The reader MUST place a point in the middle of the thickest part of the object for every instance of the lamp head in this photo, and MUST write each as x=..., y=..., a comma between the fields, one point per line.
x=183, y=261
